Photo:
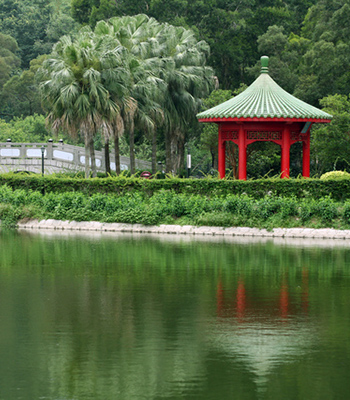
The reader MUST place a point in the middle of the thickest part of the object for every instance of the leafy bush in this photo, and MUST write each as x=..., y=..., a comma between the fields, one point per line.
x=169, y=206
x=215, y=219
x=338, y=189
x=346, y=212
x=326, y=209
x=335, y=175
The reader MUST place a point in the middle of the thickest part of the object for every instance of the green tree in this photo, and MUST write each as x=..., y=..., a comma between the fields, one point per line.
x=31, y=129
x=92, y=11
x=78, y=81
x=9, y=61
x=105, y=10
x=20, y=95
x=168, y=75
x=331, y=142
x=136, y=35
x=81, y=10
x=59, y=24
x=188, y=78
x=285, y=56
x=26, y=22
x=323, y=69
x=231, y=28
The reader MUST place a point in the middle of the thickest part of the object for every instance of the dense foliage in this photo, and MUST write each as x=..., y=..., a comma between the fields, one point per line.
x=168, y=206
x=338, y=189
x=308, y=43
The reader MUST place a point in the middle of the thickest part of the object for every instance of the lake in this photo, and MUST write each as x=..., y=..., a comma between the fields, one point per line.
x=103, y=316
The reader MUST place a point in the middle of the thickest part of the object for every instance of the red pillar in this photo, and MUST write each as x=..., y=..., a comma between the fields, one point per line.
x=285, y=153
x=306, y=157
x=240, y=301
x=242, y=155
x=221, y=155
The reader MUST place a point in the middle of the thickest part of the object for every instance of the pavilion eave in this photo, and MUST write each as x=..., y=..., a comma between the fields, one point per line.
x=261, y=119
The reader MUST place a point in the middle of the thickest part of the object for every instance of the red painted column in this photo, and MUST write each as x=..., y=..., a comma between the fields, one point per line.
x=242, y=155
x=306, y=157
x=285, y=153
x=240, y=301
x=221, y=155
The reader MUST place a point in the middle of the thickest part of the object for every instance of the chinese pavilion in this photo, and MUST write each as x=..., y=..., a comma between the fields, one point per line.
x=264, y=112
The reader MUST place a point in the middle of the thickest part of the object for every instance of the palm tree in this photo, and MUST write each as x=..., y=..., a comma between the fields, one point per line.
x=167, y=76
x=188, y=79
x=137, y=35
x=78, y=82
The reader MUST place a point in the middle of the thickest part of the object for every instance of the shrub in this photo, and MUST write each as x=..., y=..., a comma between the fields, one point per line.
x=339, y=189
x=215, y=219
x=326, y=209
x=335, y=175
x=169, y=205
x=346, y=212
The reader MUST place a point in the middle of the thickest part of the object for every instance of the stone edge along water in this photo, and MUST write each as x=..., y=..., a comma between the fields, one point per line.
x=52, y=224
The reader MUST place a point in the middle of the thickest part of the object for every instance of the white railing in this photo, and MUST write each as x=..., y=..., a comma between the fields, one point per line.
x=57, y=157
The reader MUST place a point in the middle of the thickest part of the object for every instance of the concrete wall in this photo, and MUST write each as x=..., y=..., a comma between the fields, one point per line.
x=58, y=157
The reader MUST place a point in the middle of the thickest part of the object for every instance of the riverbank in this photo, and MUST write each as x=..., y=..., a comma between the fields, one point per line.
x=52, y=224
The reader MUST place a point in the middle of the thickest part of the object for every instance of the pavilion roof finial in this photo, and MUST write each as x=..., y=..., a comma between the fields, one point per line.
x=264, y=64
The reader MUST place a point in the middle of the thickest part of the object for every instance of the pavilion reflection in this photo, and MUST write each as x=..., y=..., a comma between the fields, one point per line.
x=264, y=333
x=237, y=306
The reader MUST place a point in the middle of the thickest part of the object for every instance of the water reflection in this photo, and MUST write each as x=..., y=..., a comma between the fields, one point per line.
x=263, y=333
x=240, y=240
x=120, y=317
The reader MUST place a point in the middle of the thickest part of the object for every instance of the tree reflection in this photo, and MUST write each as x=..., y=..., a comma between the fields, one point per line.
x=131, y=318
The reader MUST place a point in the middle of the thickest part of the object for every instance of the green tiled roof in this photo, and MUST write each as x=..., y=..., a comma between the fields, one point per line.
x=264, y=98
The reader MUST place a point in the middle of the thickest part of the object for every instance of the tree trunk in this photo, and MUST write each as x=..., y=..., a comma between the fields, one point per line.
x=154, y=152
x=232, y=157
x=173, y=146
x=92, y=156
x=132, y=146
x=212, y=159
x=181, y=154
x=87, y=155
x=117, y=154
x=177, y=152
x=107, y=158
x=168, y=164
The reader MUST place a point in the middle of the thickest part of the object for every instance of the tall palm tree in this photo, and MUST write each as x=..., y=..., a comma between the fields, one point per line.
x=167, y=76
x=78, y=82
x=188, y=79
x=137, y=35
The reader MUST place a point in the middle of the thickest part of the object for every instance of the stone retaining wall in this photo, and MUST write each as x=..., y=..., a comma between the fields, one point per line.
x=327, y=233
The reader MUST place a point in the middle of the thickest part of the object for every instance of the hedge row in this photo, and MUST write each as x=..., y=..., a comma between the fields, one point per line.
x=166, y=206
x=338, y=189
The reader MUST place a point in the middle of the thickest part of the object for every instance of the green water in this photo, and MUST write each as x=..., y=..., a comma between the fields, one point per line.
x=122, y=317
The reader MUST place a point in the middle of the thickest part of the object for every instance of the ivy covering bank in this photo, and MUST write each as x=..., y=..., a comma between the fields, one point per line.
x=174, y=201
x=337, y=189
